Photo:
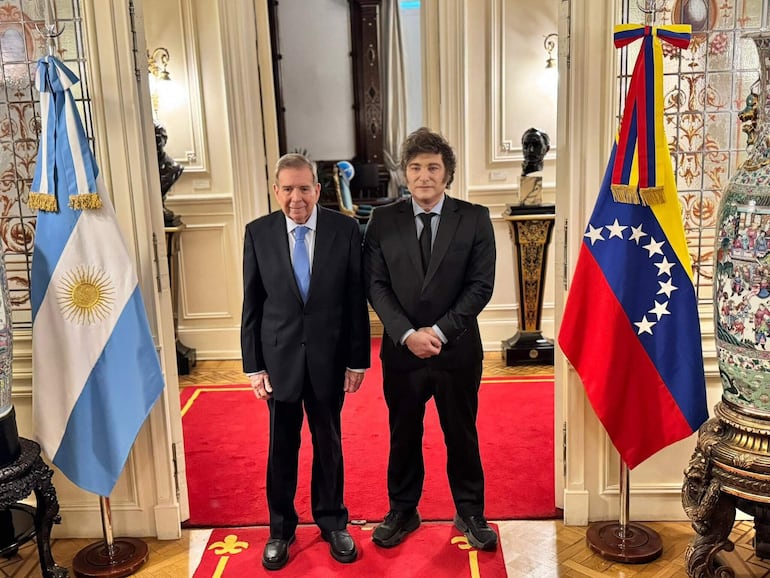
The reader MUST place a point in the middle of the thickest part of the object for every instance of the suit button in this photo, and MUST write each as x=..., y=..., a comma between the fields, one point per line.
x=302, y=344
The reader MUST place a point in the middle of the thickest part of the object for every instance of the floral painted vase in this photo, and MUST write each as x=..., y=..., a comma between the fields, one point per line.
x=742, y=261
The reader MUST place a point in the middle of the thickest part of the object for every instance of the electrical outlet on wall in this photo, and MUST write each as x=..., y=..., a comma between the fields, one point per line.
x=498, y=175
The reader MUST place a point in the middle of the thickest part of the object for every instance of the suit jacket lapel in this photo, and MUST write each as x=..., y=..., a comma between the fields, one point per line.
x=324, y=241
x=280, y=244
x=450, y=219
x=408, y=229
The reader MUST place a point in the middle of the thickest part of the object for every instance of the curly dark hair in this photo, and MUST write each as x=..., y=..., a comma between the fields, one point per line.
x=423, y=140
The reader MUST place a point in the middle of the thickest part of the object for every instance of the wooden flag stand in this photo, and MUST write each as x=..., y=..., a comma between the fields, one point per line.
x=622, y=541
x=111, y=558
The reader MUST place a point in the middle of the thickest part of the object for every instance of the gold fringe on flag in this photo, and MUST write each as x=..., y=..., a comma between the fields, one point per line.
x=43, y=202
x=85, y=201
x=653, y=196
x=625, y=194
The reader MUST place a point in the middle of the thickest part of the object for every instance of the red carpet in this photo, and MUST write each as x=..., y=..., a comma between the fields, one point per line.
x=433, y=550
x=226, y=431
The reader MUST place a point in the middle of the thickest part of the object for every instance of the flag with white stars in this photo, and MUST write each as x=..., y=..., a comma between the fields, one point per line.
x=630, y=327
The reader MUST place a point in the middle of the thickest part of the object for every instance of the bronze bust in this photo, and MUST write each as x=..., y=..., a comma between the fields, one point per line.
x=169, y=170
x=535, y=145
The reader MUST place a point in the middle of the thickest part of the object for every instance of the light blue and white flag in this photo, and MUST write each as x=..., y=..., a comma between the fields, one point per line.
x=96, y=373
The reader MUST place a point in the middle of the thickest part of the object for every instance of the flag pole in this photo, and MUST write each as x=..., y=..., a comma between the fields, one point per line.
x=622, y=541
x=111, y=558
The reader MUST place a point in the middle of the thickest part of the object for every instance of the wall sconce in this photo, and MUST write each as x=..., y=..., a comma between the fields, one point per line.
x=157, y=64
x=550, y=44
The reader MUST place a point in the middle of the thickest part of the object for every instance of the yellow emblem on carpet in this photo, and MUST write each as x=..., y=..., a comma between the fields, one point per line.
x=473, y=556
x=230, y=545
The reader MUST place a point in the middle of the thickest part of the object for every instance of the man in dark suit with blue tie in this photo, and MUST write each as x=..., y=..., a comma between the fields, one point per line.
x=305, y=342
x=429, y=263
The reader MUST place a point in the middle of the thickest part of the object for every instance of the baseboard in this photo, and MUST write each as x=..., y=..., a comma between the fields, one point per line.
x=576, y=507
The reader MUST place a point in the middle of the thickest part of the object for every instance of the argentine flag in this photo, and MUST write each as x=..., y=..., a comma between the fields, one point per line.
x=96, y=373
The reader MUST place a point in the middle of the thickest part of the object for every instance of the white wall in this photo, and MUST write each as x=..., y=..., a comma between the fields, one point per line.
x=206, y=197
x=317, y=77
x=509, y=91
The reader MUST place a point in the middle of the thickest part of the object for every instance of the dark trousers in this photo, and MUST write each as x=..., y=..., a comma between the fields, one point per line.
x=456, y=395
x=326, y=485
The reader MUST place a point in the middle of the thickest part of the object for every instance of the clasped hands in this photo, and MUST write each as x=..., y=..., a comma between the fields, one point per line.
x=263, y=389
x=424, y=343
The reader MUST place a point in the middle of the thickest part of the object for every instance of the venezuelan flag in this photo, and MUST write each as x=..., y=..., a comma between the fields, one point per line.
x=630, y=326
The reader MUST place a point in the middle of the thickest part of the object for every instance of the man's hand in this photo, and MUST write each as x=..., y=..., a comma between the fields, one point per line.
x=424, y=343
x=260, y=383
x=353, y=380
x=430, y=331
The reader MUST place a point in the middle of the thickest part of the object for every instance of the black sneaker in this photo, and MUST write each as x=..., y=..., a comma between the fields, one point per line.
x=394, y=528
x=477, y=531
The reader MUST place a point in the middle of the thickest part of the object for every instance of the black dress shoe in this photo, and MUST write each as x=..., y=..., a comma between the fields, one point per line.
x=394, y=528
x=276, y=553
x=341, y=545
x=477, y=531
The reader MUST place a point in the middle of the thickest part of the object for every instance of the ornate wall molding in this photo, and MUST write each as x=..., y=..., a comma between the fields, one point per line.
x=209, y=242
x=505, y=143
x=172, y=25
x=501, y=146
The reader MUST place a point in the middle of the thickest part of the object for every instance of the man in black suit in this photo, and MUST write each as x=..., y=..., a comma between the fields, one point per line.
x=429, y=263
x=305, y=341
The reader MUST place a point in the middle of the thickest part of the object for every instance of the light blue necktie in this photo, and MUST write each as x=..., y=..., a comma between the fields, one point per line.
x=301, y=261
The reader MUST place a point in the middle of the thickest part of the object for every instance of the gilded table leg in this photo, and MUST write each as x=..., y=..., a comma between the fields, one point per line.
x=711, y=511
x=762, y=531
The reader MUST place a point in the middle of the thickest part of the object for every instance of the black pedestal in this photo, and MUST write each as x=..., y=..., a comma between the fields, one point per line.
x=18, y=480
x=531, y=228
x=185, y=358
x=528, y=347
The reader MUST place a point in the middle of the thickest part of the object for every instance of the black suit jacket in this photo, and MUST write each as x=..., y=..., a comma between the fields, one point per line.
x=453, y=291
x=283, y=335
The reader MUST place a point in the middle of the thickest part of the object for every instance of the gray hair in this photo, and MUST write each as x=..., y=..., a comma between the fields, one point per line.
x=296, y=161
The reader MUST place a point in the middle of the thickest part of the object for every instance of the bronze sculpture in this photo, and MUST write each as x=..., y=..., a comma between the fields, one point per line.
x=169, y=170
x=535, y=144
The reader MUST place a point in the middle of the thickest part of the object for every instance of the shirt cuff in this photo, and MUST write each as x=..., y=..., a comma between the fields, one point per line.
x=405, y=335
x=356, y=370
x=440, y=334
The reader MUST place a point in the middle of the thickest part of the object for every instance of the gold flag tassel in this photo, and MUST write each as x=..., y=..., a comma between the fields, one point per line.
x=85, y=201
x=653, y=195
x=43, y=202
x=625, y=194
